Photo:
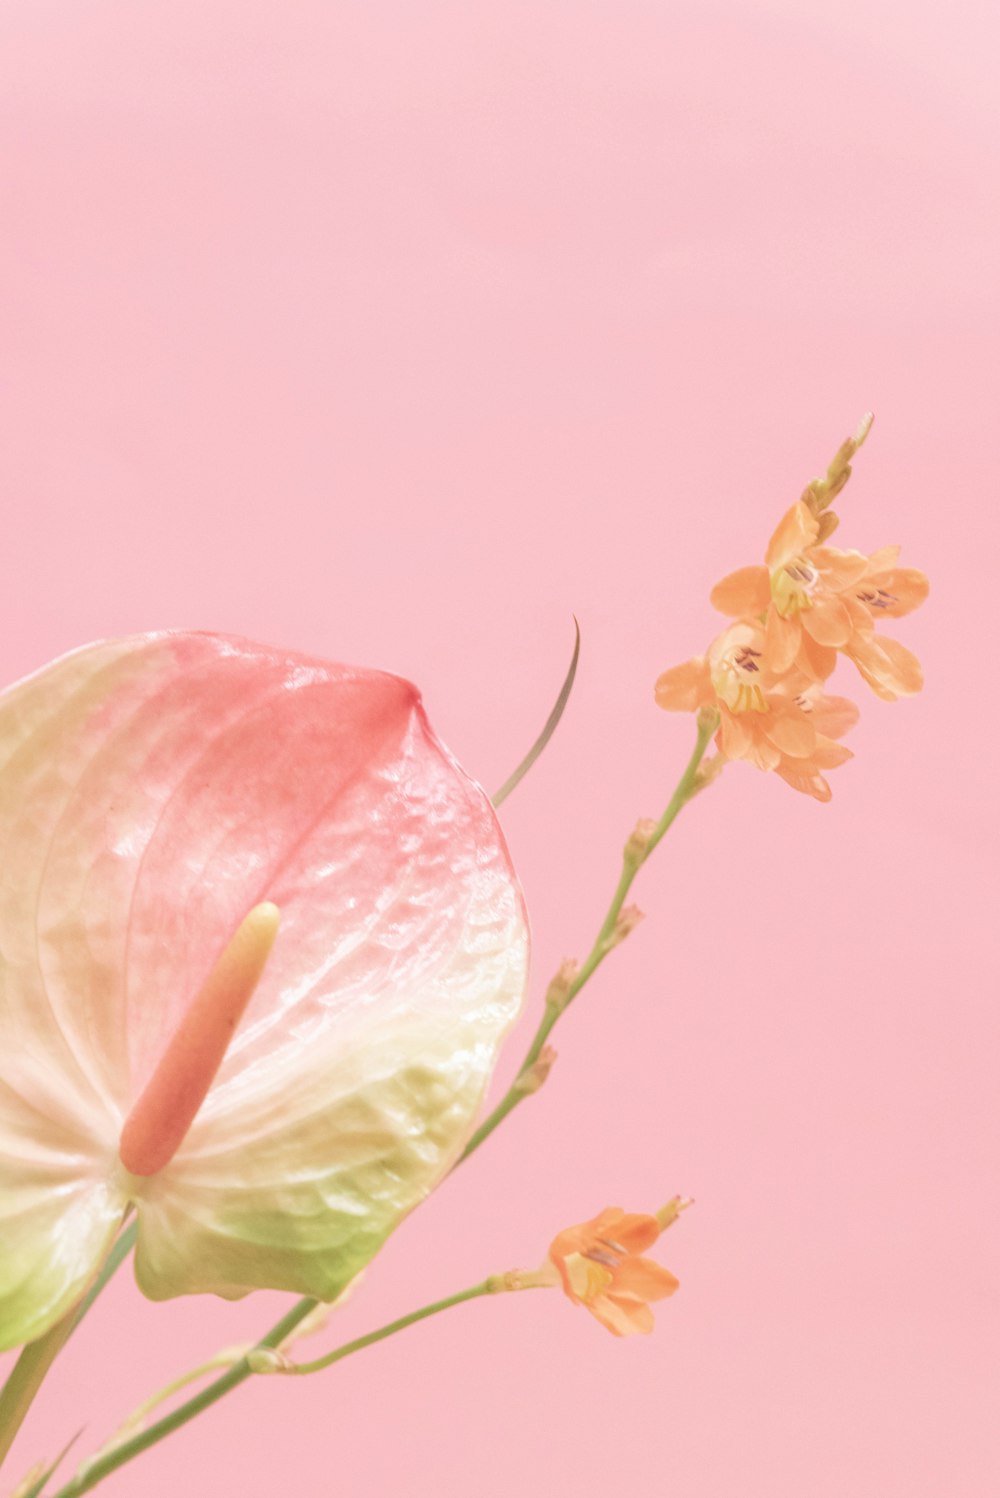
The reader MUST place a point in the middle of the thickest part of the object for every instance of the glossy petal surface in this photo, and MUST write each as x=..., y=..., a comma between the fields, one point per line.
x=152, y=791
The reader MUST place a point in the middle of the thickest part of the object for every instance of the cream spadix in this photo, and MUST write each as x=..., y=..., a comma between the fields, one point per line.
x=155, y=793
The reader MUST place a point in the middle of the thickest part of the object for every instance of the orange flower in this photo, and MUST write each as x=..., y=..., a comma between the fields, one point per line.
x=886, y=591
x=793, y=614
x=600, y=1266
x=778, y=722
x=815, y=599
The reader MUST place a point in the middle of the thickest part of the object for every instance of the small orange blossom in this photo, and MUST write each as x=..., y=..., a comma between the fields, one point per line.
x=601, y=1267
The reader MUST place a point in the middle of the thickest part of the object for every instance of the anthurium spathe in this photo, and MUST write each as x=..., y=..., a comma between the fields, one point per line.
x=191, y=820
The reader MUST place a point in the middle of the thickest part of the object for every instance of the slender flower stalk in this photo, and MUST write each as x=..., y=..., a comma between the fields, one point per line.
x=35, y=1360
x=267, y=1360
x=571, y=979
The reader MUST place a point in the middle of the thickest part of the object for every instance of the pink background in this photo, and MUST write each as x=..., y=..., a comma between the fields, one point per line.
x=398, y=332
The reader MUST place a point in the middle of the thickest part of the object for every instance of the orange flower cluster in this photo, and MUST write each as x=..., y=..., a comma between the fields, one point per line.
x=807, y=604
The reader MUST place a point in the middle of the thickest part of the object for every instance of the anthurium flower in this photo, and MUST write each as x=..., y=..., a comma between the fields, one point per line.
x=600, y=1265
x=260, y=939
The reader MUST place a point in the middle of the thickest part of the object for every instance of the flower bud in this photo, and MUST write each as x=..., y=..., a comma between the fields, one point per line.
x=708, y=771
x=639, y=839
x=558, y=993
x=672, y=1209
x=537, y=1074
x=625, y=924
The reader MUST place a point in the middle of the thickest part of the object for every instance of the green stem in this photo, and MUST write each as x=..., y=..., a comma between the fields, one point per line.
x=26, y=1378
x=123, y=1246
x=632, y=862
x=36, y=1358
x=491, y=1286
x=97, y=1470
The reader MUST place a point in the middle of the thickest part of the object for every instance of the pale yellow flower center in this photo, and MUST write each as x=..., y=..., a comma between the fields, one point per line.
x=736, y=679
x=590, y=1274
x=792, y=586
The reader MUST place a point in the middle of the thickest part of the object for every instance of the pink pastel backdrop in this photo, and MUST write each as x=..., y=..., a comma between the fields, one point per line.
x=397, y=333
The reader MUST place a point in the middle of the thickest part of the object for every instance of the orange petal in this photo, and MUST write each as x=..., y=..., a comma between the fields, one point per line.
x=833, y=716
x=797, y=530
x=898, y=591
x=622, y=1315
x=858, y=613
x=829, y=756
x=734, y=738
x=645, y=1278
x=887, y=666
x=747, y=591
x=815, y=660
x=685, y=688
x=827, y=621
x=840, y=569
x=792, y=733
x=634, y=1231
x=781, y=640
x=884, y=558
x=809, y=782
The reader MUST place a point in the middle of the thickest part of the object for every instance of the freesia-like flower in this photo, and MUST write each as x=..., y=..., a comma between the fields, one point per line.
x=793, y=615
x=817, y=600
x=260, y=939
x=601, y=1266
x=784, y=723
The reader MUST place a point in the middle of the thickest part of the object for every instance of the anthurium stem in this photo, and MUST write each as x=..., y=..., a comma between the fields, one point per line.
x=117, y=1455
x=37, y=1357
x=562, y=995
x=101, y=1466
x=26, y=1378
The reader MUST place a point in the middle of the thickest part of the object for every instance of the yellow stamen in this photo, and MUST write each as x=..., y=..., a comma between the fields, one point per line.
x=587, y=1278
x=792, y=585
